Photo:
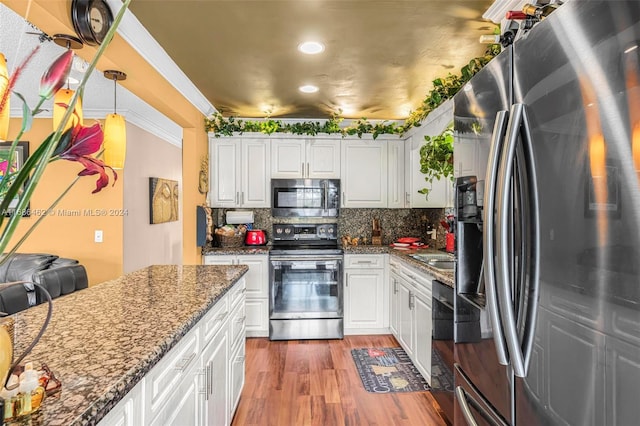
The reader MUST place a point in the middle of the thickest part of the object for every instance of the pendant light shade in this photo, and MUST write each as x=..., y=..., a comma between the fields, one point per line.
x=115, y=133
x=5, y=109
x=115, y=141
x=60, y=101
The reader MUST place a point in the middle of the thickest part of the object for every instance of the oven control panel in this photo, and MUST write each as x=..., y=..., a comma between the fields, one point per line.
x=305, y=232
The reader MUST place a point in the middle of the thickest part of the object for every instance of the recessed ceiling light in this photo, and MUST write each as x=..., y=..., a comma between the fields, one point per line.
x=311, y=47
x=308, y=88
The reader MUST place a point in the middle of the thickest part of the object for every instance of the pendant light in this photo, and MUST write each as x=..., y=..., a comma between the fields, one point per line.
x=63, y=96
x=115, y=133
x=4, y=113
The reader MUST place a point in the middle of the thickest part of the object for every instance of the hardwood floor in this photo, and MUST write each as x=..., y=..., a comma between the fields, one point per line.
x=315, y=382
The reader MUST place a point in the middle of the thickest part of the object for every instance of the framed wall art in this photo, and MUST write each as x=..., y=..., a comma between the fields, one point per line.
x=163, y=200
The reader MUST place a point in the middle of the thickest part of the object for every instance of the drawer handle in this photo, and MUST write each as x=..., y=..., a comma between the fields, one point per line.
x=185, y=362
x=244, y=290
x=364, y=262
x=221, y=316
x=241, y=320
x=240, y=358
x=209, y=380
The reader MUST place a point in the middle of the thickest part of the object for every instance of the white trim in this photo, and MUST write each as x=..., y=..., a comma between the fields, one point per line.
x=134, y=33
x=152, y=126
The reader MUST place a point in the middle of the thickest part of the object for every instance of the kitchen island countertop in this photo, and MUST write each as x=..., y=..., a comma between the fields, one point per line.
x=102, y=340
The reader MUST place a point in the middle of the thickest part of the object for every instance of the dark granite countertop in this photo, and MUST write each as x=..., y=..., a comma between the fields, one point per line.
x=102, y=340
x=237, y=250
x=445, y=276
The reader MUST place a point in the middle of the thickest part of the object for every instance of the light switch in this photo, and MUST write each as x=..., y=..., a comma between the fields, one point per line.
x=98, y=236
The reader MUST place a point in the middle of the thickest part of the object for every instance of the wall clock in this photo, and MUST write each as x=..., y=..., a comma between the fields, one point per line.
x=91, y=20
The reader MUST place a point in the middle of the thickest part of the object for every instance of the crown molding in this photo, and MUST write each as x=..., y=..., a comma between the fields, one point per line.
x=134, y=33
x=156, y=123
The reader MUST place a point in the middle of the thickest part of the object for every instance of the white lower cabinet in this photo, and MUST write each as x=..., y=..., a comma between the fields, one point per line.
x=366, y=305
x=196, y=382
x=257, y=296
x=128, y=411
x=411, y=313
x=214, y=362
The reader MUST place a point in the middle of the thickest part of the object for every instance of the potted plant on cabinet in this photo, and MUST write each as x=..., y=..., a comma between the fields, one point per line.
x=436, y=158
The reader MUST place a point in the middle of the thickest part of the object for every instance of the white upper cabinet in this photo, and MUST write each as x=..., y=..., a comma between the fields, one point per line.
x=364, y=173
x=396, y=174
x=305, y=158
x=239, y=172
x=440, y=191
x=288, y=158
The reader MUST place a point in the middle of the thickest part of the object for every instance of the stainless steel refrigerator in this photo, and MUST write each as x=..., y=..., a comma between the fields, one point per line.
x=548, y=330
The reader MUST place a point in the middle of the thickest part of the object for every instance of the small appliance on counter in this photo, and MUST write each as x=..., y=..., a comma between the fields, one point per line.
x=255, y=237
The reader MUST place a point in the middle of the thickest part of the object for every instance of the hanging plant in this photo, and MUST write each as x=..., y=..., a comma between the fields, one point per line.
x=436, y=158
x=443, y=89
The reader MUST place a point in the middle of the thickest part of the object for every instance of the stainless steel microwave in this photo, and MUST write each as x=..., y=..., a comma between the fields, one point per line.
x=305, y=197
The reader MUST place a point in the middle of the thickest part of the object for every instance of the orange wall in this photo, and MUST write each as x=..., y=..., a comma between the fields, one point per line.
x=146, y=83
x=73, y=236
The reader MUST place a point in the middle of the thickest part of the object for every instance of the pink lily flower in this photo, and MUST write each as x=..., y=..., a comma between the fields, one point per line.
x=56, y=76
x=77, y=144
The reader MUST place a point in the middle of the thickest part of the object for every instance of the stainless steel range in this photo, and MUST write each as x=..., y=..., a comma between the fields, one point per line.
x=305, y=282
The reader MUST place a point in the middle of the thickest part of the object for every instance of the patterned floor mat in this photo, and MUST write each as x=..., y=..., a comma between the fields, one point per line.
x=385, y=370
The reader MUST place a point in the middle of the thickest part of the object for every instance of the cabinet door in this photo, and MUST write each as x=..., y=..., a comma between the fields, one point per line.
x=258, y=275
x=405, y=317
x=236, y=376
x=128, y=412
x=287, y=158
x=224, y=172
x=423, y=327
x=323, y=159
x=364, y=298
x=364, y=174
x=394, y=298
x=214, y=362
x=439, y=194
x=395, y=161
x=184, y=407
x=257, y=311
x=255, y=185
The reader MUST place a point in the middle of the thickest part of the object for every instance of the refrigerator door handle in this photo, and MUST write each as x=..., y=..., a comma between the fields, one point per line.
x=505, y=297
x=461, y=396
x=489, y=233
x=533, y=266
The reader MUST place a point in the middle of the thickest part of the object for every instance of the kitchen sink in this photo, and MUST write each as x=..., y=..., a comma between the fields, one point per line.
x=435, y=260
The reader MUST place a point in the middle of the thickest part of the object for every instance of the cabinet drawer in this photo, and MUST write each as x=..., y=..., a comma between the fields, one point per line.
x=214, y=319
x=237, y=324
x=163, y=378
x=237, y=292
x=364, y=261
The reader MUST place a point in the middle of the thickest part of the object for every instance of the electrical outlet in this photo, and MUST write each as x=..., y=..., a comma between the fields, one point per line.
x=98, y=236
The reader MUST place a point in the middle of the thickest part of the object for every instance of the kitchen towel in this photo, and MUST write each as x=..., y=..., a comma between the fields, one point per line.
x=385, y=370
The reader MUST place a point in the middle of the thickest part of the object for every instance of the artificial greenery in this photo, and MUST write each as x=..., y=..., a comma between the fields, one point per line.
x=443, y=89
x=436, y=158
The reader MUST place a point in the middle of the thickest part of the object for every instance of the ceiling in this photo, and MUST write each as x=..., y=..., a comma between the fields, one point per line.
x=379, y=61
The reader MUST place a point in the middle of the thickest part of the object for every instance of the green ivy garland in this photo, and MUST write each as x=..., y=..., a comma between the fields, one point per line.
x=443, y=89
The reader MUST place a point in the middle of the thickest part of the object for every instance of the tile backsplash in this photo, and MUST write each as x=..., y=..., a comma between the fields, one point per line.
x=395, y=223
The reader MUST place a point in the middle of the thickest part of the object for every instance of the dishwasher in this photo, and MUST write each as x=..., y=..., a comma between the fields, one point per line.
x=442, y=347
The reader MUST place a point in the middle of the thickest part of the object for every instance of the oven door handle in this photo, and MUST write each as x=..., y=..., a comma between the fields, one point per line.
x=302, y=257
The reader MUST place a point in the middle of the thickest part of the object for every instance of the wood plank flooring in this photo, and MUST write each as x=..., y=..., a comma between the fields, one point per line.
x=315, y=382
